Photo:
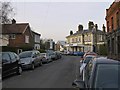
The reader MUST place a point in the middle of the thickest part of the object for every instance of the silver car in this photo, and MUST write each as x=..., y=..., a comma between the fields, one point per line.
x=46, y=57
x=84, y=63
x=30, y=59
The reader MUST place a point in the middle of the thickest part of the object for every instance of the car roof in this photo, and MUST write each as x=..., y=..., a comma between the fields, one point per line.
x=106, y=61
x=7, y=52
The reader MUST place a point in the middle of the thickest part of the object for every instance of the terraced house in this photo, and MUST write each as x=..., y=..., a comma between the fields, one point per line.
x=86, y=39
x=113, y=30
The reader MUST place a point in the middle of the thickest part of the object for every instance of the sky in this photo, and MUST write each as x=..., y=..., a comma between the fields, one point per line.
x=55, y=18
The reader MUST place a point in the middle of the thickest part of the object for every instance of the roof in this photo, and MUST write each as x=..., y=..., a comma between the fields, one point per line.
x=86, y=31
x=17, y=28
x=106, y=61
x=61, y=42
x=36, y=33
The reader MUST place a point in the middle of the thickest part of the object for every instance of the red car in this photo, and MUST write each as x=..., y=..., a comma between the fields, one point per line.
x=90, y=53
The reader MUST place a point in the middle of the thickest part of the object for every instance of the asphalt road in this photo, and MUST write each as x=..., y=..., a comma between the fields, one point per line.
x=57, y=74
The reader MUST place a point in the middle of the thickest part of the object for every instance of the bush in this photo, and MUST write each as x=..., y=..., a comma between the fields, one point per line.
x=42, y=51
x=103, y=50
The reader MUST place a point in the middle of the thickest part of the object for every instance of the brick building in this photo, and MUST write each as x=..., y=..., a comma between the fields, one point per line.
x=113, y=30
x=20, y=36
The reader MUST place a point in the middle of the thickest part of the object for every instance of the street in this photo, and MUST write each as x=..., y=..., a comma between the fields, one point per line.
x=57, y=74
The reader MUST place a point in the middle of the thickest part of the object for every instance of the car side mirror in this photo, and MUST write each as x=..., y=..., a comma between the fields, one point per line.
x=78, y=84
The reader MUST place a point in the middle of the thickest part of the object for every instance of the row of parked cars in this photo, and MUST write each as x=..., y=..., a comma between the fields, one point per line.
x=11, y=63
x=98, y=72
x=76, y=53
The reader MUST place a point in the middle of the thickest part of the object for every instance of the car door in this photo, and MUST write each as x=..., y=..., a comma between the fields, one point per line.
x=6, y=64
x=38, y=58
x=14, y=63
x=88, y=73
x=34, y=57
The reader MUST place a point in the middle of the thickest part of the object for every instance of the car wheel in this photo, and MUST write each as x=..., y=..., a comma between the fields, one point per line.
x=19, y=71
x=32, y=66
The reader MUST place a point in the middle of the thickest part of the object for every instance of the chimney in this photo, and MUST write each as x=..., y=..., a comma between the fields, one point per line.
x=80, y=27
x=71, y=32
x=104, y=28
x=90, y=25
x=96, y=27
x=13, y=21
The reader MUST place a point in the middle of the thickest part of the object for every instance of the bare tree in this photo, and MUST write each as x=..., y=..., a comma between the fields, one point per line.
x=6, y=12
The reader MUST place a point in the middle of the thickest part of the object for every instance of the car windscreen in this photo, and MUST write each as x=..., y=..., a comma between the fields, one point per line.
x=87, y=59
x=107, y=76
x=25, y=54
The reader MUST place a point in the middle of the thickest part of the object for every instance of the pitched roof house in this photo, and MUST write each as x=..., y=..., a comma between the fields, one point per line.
x=20, y=35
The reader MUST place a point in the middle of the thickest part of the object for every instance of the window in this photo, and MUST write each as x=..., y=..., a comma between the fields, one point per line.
x=107, y=26
x=108, y=45
x=85, y=38
x=113, y=45
x=79, y=39
x=107, y=76
x=89, y=38
x=5, y=57
x=26, y=39
x=12, y=56
x=112, y=23
x=100, y=38
x=88, y=72
x=75, y=39
x=25, y=54
x=72, y=39
x=12, y=36
x=117, y=17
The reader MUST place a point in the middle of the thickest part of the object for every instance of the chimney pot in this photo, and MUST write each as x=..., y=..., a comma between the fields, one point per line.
x=13, y=21
x=80, y=27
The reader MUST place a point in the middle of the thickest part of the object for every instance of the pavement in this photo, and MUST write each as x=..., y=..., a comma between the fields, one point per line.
x=57, y=74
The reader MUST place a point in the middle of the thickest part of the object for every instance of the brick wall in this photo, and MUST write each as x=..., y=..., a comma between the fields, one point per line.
x=19, y=40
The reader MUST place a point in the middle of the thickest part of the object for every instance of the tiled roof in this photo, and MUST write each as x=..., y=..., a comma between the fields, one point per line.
x=14, y=28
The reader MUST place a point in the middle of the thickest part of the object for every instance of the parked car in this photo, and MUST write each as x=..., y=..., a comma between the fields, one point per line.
x=84, y=64
x=46, y=57
x=58, y=55
x=79, y=53
x=30, y=59
x=70, y=53
x=90, y=53
x=10, y=63
x=100, y=73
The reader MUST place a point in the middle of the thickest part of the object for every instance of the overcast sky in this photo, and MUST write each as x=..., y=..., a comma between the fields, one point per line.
x=54, y=18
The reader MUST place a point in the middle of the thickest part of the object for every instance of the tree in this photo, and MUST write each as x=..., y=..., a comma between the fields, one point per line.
x=6, y=12
x=42, y=44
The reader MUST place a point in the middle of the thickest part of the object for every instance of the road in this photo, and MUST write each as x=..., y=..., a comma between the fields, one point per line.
x=57, y=74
